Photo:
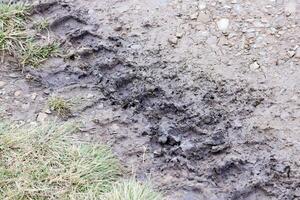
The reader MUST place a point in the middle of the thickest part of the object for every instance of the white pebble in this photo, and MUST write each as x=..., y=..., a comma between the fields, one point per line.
x=223, y=24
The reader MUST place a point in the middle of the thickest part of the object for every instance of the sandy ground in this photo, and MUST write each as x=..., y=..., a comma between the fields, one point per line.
x=200, y=97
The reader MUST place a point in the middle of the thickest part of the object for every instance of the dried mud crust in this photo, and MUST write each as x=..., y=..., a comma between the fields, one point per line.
x=196, y=128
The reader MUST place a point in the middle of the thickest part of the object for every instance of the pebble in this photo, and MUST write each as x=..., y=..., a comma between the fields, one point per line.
x=163, y=139
x=89, y=96
x=186, y=146
x=223, y=24
x=48, y=111
x=291, y=53
x=179, y=34
x=173, y=40
x=47, y=91
x=18, y=93
x=194, y=16
x=118, y=28
x=33, y=96
x=254, y=66
x=2, y=84
x=41, y=117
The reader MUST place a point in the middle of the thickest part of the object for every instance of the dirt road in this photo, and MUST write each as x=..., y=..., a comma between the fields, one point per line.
x=200, y=97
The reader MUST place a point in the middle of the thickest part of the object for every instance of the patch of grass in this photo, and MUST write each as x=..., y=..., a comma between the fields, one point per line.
x=13, y=15
x=132, y=190
x=41, y=163
x=61, y=106
x=12, y=27
x=35, y=54
x=41, y=25
x=16, y=41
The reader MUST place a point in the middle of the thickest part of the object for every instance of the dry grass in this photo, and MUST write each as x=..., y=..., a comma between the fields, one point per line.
x=132, y=190
x=42, y=163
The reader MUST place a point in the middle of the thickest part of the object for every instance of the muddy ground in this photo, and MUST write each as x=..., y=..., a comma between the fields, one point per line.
x=200, y=97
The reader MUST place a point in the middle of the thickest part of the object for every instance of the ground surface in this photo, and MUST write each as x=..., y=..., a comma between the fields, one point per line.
x=202, y=97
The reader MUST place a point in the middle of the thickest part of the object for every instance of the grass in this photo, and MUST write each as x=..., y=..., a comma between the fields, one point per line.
x=45, y=163
x=42, y=163
x=41, y=25
x=132, y=190
x=16, y=41
x=59, y=105
x=34, y=54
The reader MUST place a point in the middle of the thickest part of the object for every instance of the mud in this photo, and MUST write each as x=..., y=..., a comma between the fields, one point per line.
x=198, y=127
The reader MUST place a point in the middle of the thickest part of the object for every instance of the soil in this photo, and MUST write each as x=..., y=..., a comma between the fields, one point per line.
x=200, y=97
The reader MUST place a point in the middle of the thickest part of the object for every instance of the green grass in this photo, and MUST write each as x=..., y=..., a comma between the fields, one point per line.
x=132, y=190
x=16, y=41
x=13, y=15
x=41, y=25
x=45, y=163
x=41, y=163
x=34, y=54
x=59, y=105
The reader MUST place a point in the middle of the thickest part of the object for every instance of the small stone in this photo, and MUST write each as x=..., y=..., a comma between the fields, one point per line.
x=29, y=77
x=291, y=53
x=179, y=34
x=186, y=146
x=18, y=93
x=254, y=66
x=158, y=153
x=118, y=28
x=48, y=111
x=163, y=139
x=194, y=16
x=47, y=91
x=41, y=117
x=2, y=84
x=173, y=40
x=223, y=24
x=89, y=96
x=33, y=96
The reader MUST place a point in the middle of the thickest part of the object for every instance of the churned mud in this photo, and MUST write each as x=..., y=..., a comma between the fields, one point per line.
x=202, y=109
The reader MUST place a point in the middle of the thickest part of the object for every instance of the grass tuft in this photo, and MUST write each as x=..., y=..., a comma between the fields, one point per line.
x=41, y=163
x=13, y=15
x=59, y=105
x=41, y=25
x=132, y=190
x=16, y=41
x=34, y=54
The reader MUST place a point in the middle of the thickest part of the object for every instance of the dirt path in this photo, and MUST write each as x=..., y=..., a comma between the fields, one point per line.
x=202, y=97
